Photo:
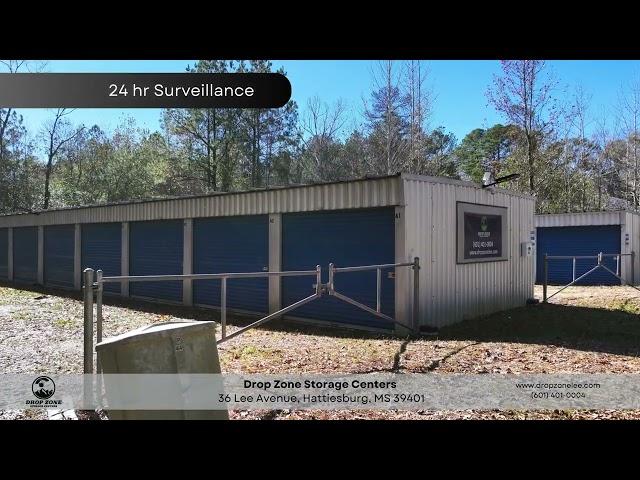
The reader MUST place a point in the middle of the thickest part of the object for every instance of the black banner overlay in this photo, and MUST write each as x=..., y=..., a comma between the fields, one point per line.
x=144, y=90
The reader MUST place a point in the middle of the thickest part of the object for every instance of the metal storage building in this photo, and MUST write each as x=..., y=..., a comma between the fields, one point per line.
x=587, y=234
x=471, y=242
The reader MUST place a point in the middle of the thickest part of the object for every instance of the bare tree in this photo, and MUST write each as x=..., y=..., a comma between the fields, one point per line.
x=603, y=167
x=387, y=122
x=581, y=121
x=628, y=116
x=17, y=190
x=419, y=105
x=321, y=126
x=57, y=133
x=12, y=66
x=523, y=94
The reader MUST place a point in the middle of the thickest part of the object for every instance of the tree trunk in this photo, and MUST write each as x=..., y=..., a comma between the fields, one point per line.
x=47, y=179
x=214, y=163
x=531, y=162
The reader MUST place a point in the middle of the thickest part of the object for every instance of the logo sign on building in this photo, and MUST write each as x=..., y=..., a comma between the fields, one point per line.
x=482, y=233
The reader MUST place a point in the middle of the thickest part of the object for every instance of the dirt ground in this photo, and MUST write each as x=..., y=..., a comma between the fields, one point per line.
x=582, y=330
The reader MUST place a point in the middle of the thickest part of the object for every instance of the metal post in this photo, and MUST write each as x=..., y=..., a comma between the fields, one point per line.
x=633, y=266
x=546, y=278
x=378, y=288
x=331, y=267
x=99, y=290
x=600, y=258
x=99, y=306
x=573, y=278
x=618, y=265
x=319, y=278
x=416, y=294
x=88, y=320
x=223, y=306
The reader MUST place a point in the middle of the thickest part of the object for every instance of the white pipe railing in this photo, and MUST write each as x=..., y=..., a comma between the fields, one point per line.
x=598, y=265
x=320, y=289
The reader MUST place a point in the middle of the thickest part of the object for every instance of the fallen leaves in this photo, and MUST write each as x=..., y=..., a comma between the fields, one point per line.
x=47, y=334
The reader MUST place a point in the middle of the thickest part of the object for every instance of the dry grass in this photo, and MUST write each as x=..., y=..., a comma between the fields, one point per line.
x=583, y=330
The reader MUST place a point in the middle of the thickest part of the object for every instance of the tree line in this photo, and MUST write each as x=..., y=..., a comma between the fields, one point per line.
x=567, y=156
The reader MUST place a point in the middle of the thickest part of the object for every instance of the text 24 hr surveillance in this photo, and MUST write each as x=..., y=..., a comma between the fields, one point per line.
x=144, y=90
x=161, y=90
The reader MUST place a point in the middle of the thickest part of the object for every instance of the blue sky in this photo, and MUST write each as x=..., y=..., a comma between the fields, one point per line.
x=459, y=87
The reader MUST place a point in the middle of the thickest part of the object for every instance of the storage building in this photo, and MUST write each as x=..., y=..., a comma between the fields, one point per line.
x=472, y=244
x=587, y=234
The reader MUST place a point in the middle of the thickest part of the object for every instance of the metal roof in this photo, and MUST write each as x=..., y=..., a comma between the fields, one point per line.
x=367, y=192
x=582, y=219
x=362, y=193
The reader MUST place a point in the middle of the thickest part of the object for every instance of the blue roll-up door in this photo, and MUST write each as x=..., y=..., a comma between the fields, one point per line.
x=25, y=254
x=576, y=241
x=4, y=253
x=102, y=250
x=232, y=244
x=59, y=241
x=155, y=248
x=346, y=238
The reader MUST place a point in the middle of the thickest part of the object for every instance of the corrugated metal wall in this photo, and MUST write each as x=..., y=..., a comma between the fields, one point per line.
x=630, y=242
x=4, y=251
x=424, y=209
x=346, y=238
x=579, y=219
x=450, y=292
x=59, y=244
x=232, y=244
x=25, y=254
x=378, y=192
x=101, y=249
x=155, y=248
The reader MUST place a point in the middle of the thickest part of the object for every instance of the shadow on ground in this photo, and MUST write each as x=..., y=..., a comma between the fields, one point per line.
x=613, y=331
x=202, y=314
x=582, y=328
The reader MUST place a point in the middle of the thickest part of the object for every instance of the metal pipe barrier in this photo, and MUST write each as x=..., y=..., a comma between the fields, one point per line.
x=282, y=311
x=415, y=265
x=97, y=286
x=88, y=320
x=600, y=257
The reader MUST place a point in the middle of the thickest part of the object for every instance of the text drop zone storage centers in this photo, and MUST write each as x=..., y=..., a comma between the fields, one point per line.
x=472, y=245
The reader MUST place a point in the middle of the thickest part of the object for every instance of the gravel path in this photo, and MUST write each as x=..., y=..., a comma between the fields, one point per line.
x=43, y=333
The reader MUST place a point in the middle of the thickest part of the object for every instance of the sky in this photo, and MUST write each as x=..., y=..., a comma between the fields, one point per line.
x=459, y=88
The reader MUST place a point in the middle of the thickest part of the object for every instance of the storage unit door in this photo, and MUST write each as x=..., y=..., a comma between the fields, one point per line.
x=25, y=254
x=576, y=241
x=232, y=244
x=346, y=238
x=59, y=241
x=4, y=253
x=102, y=249
x=155, y=248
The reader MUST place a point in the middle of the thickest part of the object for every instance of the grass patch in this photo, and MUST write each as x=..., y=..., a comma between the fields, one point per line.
x=9, y=296
x=249, y=352
x=64, y=323
x=626, y=305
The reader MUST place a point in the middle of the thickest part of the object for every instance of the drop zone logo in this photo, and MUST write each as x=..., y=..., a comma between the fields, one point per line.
x=43, y=388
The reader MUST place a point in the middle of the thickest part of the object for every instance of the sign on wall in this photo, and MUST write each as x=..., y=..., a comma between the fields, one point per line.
x=482, y=233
